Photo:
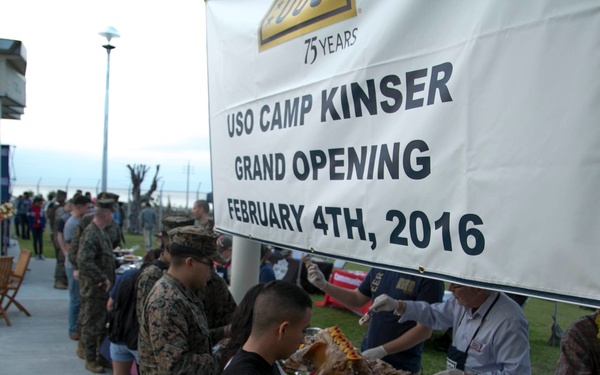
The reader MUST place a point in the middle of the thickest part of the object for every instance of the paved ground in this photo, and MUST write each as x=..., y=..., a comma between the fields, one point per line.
x=39, y=344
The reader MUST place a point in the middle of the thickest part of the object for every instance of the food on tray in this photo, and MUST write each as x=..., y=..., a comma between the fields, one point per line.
x=329, y=352
x=118, y=250
x=380, y=367
x=131, y=258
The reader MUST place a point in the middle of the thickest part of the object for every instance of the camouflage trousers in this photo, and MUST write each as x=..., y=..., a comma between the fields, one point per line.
x=59, y=270
x=92, y=320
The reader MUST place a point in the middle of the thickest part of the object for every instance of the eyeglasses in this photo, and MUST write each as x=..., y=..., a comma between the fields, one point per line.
x=210, y=264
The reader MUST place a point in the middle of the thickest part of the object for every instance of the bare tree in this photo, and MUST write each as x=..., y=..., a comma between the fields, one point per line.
x=138, y=173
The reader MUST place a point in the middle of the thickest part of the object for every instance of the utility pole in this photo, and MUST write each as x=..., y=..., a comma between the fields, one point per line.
x=37, y=188
x=109, y=33
x=160, y=206
x=198, y=191
x=187, y=189
x=67, y=187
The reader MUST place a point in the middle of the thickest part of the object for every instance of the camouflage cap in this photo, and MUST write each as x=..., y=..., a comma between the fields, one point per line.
x=193, y=241
x=61, y=193
x=105, y=203
x=107, y=195
x=171, y=222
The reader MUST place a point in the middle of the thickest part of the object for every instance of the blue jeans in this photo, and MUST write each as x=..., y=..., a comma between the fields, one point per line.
x=73, y=299
x=121, y=353
x=37, y=234
x=148, y=238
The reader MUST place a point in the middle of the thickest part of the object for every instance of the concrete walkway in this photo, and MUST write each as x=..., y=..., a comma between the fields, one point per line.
x=39, y=344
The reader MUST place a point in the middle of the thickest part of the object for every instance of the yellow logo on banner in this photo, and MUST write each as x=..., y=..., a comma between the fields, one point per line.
x=288, y=19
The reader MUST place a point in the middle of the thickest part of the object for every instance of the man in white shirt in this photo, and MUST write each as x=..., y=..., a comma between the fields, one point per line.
x=491, y=333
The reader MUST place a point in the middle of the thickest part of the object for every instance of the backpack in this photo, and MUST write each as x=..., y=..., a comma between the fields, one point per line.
x=122, y=324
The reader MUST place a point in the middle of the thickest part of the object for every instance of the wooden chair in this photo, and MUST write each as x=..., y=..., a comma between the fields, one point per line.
x=5, y=266
x=16, y=279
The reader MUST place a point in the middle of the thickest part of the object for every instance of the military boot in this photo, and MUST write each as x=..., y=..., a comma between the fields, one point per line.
x=80, y=352
x=94, y=367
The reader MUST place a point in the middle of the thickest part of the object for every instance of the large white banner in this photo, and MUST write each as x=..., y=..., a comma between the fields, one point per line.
x=458, y=140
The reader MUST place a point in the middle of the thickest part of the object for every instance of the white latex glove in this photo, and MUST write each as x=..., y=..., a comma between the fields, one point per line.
x=374, y=353
x=316, y=277
x=384, y=303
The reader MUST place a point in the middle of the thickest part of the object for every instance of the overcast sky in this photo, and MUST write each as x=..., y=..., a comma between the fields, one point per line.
x=158, y=92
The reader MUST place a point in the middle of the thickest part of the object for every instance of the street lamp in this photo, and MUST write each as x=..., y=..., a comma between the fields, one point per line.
x=109, y=33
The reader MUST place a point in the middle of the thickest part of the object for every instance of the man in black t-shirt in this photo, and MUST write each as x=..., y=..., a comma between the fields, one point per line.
x=276, y=333
x=249, y=363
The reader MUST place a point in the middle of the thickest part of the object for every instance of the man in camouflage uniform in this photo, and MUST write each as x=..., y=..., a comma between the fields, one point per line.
x=53, y=213
x=215, y=296
x=112, y=230
x=151, y=273
x=218, y=301
x=174, y=334
x=219, y=305
x=96, y=276
x=201, y=212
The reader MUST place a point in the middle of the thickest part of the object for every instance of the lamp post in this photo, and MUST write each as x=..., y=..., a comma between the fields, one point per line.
x=109, y=33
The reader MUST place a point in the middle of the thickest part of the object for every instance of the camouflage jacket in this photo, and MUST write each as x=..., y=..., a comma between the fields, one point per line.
x=218, y=305
x=55, y=215
x=146, y=280
x=51, y=217
x=174, y=336
x=217, y=301
x=208, y=226
x=96, y=262
x=113, y=231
